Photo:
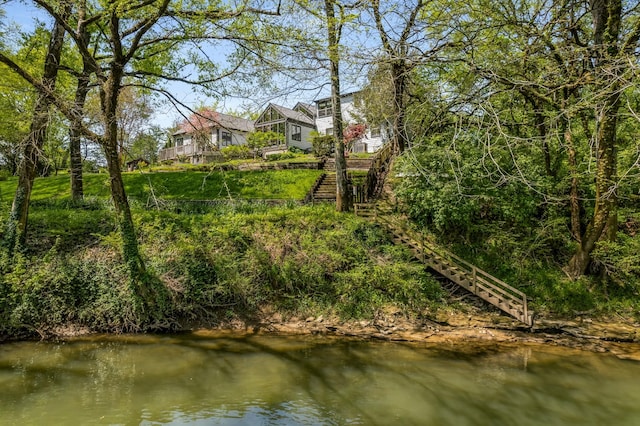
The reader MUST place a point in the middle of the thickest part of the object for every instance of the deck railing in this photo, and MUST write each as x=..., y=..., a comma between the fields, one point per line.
x=176, y=152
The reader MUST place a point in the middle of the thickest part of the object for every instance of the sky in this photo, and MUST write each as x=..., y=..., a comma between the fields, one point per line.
x=25, y=15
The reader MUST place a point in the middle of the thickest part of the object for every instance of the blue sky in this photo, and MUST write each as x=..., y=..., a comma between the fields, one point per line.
x=25, y=14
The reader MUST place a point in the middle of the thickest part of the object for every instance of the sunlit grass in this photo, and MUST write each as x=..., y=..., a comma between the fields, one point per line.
x=272, y=184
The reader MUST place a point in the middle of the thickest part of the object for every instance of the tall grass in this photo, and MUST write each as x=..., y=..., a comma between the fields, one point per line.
x=303, y=261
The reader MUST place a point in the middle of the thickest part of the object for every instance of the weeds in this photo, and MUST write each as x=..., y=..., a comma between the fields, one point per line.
x=301, y=260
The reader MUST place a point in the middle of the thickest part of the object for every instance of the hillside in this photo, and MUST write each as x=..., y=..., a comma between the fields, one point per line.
x=192, y=185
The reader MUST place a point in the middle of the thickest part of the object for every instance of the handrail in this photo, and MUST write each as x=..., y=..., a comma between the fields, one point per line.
x=515, y=299
x=310, y=195
x=479, y=278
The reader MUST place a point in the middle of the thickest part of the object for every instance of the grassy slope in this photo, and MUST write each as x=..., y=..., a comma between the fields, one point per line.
x=229, y=262
x=276, y=184
x=305, y=260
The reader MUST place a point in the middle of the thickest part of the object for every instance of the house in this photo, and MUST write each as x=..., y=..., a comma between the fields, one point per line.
x=203, y=134
x=373, y=137
x=295, y=124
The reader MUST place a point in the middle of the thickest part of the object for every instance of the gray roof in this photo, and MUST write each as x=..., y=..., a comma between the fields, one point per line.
x=294, y=115
x=210, y=118
x=309, y=107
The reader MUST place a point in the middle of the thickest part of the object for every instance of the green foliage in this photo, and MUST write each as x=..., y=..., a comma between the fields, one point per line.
x=258, y=140
x=303, y=260
x=619, y=261
x=235, y=151
x=456, y=196
x=61, y=290
x=322, y=146
x=281, y=156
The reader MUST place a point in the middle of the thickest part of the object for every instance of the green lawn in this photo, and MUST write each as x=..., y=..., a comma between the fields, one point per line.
x=272, y=184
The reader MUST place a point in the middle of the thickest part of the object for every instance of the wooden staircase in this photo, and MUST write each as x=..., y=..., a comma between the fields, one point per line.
x=484, y=285
x=325, y=189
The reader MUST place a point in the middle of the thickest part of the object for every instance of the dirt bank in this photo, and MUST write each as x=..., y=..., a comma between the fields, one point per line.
x=618, y=337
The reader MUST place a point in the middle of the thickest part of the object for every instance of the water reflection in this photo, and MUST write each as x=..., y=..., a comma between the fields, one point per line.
x=201, y=379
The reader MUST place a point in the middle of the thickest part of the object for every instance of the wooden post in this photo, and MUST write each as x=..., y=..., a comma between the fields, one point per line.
x=473, y=282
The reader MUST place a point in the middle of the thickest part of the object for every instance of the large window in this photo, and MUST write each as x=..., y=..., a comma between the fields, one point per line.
x=329, y=131
x=179, y=141
x=375, y=132
x=225, y=138
x=296, y=132
x=325, y=109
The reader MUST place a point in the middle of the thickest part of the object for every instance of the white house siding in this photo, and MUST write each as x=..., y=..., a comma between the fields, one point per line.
x=325, y=124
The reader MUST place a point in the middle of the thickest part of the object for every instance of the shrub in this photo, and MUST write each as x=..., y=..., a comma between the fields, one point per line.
x=281, y=156
x=322, y=146
x=235, y=152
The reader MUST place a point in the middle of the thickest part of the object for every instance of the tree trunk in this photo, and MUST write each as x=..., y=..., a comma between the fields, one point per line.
x=109, y=102
x=75, y=150
x=82, y=90
x=574, y=197
x=343, y=195
x=606, y=22
x=398, y=72
x=16, y=232
x=606, y=198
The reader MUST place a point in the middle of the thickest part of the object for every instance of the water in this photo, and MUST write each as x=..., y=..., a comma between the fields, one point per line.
x=275, y=380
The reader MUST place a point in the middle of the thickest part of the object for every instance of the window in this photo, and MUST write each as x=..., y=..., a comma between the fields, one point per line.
x=179, y=141
x=329, y=131
x=296, y=132
x=375, y=132
x=325, y=109
x=225, y=137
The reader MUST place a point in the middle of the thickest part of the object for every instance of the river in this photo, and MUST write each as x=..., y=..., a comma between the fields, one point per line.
x=209, y=379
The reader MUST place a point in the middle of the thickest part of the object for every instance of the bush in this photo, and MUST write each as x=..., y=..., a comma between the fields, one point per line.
x=229, y=262
x=281, y=156
x=235, y=152
x=322, y=146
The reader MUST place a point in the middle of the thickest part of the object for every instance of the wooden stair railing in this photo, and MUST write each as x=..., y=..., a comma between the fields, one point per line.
x=484, y=285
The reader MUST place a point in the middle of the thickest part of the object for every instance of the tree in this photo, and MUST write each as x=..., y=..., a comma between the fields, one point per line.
x=15, y=235
x=133, y=49
x=258, y=140
x=145, y=145
x=544, y=83
x=334, y=32
x=613, y=51
x=399, y=55
x=354, y=132
x=134, y=111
